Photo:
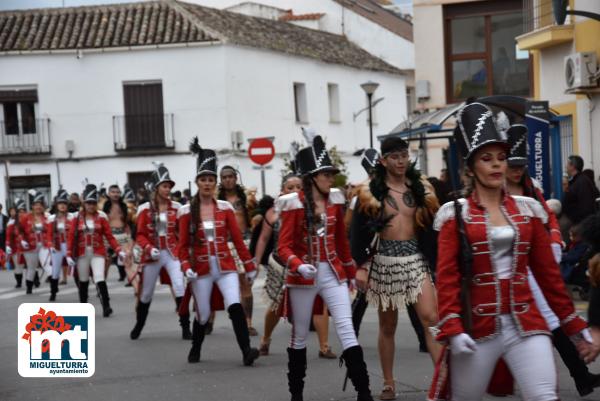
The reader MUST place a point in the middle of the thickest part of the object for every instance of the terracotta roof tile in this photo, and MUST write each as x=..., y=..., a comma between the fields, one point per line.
x=171, y=22
x=301, y=17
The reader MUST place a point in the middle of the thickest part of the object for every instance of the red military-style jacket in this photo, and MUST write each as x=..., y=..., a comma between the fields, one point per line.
x=87, y=238
x=54, y=235
x=13, y=237
x=146, y=233
x=30, y=234
x=332, y=247
x=491, y=296
x=195, y=250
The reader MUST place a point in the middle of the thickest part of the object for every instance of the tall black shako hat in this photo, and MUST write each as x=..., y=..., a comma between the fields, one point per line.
x=90, y=193
x=20, y=204
x=161, y=174
x=314, y=158
x=369, y=160
x=35, y=196
x=206, y=162
x=128, y=195
x=517, y=140
x=476, y=128
x=62, y=196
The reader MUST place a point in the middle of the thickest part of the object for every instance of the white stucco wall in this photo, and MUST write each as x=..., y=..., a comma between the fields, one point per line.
x=552, y=74
x=429, y=51
x=210, y=90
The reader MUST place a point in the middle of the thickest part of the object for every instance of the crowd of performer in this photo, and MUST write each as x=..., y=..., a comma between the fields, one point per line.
x=479, y=275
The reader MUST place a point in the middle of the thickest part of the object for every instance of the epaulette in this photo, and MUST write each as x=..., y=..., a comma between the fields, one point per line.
x=336, y=197
x=185, y=209
x=288, y=202
x=51, y=218
x=224, y=205
x=536, y=184
x=531, y=207
x=102, y=215
x=142, y=207
x=447, y=212
x=175, y=205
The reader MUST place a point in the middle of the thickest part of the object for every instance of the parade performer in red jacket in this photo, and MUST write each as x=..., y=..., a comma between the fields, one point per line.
x=14, y=244
x=57, y=234
x=86, y=249
x=505, y=235
x=33, y=237
x=157, y=235
x=314, y=247
x=205, y=227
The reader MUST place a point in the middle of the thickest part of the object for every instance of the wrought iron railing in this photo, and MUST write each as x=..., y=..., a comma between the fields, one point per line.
x=30, y=136
x=143, y=132
x=538, y=14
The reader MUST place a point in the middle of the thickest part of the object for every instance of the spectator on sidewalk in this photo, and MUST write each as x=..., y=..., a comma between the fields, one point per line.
x=580, y=195
x=3, y=223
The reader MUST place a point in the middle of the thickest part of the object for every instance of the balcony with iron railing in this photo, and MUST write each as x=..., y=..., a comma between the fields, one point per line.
x=146, y=132
x=540, y=27
x=25, y=137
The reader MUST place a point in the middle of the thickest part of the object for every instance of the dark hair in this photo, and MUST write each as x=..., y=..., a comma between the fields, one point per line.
x=380, y=190
x=264, y=204
x=113, y=186
x=228, y=167
x=287, y=177
x=577, y=162
x=393, y=144
x=309, y=201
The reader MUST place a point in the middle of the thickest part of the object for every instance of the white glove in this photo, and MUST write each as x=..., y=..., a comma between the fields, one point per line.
x=191, y=274
x=24, y=244
x=307, y=271
x=70, y=261
x=587, y=336
x=557, y=251
x=8, y=251
x=251, y=276
x=122, y=256
x=155, y=254
x=462, y=344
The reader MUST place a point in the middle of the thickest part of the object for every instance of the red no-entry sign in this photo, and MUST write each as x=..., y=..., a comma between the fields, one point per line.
x=261, y=151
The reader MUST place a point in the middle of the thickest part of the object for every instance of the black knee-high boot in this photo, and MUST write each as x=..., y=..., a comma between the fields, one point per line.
x=585, y=382
x=197, y=340
x=240, y=327
x=417, y=326
x=122, y=273
x=141, y=313
x=19, y=278
x=104, y=298
x=296, y=372
x=29, y=287
x=184, y=322
x=83, y=291
x=53, y=288
x=357, y=371
x=36, y=280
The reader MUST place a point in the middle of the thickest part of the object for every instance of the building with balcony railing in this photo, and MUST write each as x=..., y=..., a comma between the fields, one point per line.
x=118, y=93
x=549, y=43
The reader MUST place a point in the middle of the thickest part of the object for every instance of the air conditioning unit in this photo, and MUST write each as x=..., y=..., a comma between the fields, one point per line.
x=581, y=70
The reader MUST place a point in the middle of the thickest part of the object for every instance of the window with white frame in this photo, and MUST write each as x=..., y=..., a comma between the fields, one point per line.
x=300, y=106
x=333, y=93
x=18, y=111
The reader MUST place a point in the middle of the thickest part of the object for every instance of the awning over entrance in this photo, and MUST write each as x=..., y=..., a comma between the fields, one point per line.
x=432, y=121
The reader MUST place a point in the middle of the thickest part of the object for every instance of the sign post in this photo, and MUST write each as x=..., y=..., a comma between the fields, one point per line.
x=261, y=152
x=538, y=124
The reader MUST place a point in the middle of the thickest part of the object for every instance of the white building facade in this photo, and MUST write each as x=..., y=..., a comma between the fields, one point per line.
x=91, y=123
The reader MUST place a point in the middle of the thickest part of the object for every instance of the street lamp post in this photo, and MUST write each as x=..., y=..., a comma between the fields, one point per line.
x=370, y=88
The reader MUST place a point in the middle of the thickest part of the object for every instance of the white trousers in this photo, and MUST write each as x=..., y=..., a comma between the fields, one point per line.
x=550, y=317
x=337, y=298
x=57, y=260
x=152, y=270
x=32, y=261
x=18, y=266
x=84, y=262
x=228, y=284
x=530, y=360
